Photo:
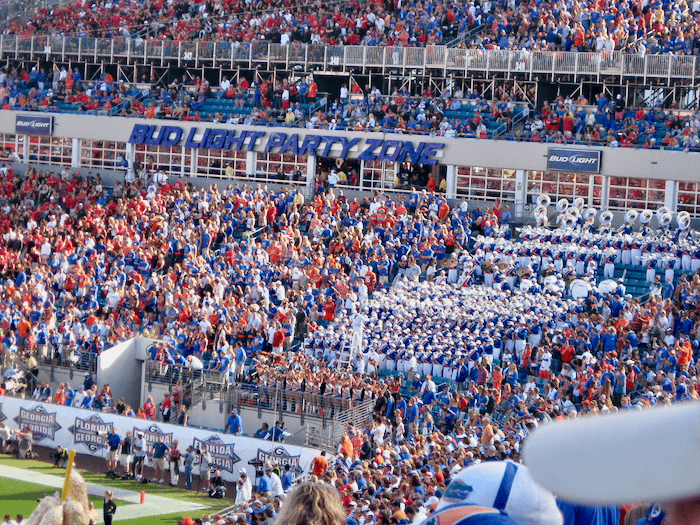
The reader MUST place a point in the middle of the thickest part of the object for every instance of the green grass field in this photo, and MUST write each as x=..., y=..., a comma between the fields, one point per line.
x=20, y=497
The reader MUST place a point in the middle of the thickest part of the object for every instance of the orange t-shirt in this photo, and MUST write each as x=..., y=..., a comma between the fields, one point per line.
x=319, y=466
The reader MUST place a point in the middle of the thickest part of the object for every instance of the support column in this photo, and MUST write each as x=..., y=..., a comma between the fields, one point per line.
x=310, y=175
x=591, y=189
x=251, y=162
x=75, y=152
x=130, y=157
x=671, y=195
x=520, y=190
x=605, y=193
x=193, y=162
x=25, y=148
x=451, y=179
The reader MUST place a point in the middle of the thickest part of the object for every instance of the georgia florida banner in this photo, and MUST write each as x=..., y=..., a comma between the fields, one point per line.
x=86, y=431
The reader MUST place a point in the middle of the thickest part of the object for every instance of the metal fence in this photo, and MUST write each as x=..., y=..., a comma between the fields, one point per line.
x=330, y=414
x=415, y=60
x=71, y=362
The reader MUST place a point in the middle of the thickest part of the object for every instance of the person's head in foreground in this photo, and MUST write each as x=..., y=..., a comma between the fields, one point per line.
x=503, y=486
x=648, y=456
x=312, y=504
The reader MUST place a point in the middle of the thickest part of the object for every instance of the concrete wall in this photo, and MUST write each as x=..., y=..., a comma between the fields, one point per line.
x=621, y=162
x=120, y=367
x=61, y=375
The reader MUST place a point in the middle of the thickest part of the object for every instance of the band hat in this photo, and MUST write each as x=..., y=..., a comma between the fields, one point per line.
x=637, y=456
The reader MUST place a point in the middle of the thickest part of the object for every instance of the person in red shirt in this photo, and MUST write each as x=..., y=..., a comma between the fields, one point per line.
x=313, y=90
x=278, y=340
x=328, y=310
x=149, y=408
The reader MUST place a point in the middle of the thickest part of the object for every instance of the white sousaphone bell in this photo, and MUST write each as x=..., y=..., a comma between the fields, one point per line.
x=590, y=214
x=683, y=220
x=540, y=211
x=544, y=200
x=562, y=205
x=579, y=202
x=568, y=222
x=631, y=215
x=665, y=219
x=574, y=211
x=606, y=217
x=646, y=216
x=662, y=211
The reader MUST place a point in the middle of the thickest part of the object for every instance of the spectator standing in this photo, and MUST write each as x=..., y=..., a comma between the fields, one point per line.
x=26, y=440
x=204, y=467
x=319, y=465
x=183, y=417
x=244, y=488
x=174, y=459
x=235, y=423
x=275, y=482
x=160, y=450
x=189, y=465
x=139, y=447
x=114, y=440
x=109, y=507
x=166, y=408
x=287, y=479
x=278, y=433
x=265, y=483
x=127, y=451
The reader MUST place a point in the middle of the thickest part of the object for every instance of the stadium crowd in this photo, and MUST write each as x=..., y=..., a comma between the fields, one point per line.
x=462, y=113
x=655, y=27
x=465, y=373
x=179, y=264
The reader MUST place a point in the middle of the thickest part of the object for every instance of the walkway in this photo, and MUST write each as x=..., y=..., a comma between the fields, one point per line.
x=154, y=505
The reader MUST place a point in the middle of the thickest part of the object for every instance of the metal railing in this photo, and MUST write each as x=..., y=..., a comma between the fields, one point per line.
x=459, y=61
x=194, y=382
x=72, y=362
x=334, y=413
x=328, y=437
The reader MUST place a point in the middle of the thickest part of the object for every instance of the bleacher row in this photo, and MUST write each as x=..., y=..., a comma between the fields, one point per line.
x=635, y=277
x=227, y=107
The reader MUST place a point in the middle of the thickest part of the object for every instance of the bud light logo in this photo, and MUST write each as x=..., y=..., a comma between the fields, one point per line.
x=34, y=125
x=573, y=160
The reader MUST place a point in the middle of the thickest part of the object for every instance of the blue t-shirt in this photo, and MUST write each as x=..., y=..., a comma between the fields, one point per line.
x=159, y=450
x=114, y=440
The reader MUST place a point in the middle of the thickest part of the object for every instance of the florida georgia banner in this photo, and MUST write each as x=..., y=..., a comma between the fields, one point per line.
x=86, y=431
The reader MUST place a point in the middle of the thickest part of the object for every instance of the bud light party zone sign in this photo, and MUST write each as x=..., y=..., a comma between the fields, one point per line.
x=86, y=431
x=34, y=125
x=573, y=160
x=288, y=143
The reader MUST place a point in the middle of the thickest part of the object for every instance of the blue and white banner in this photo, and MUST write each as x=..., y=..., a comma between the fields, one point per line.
x=34, y=125
x=87, y=431
x=587, y=161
